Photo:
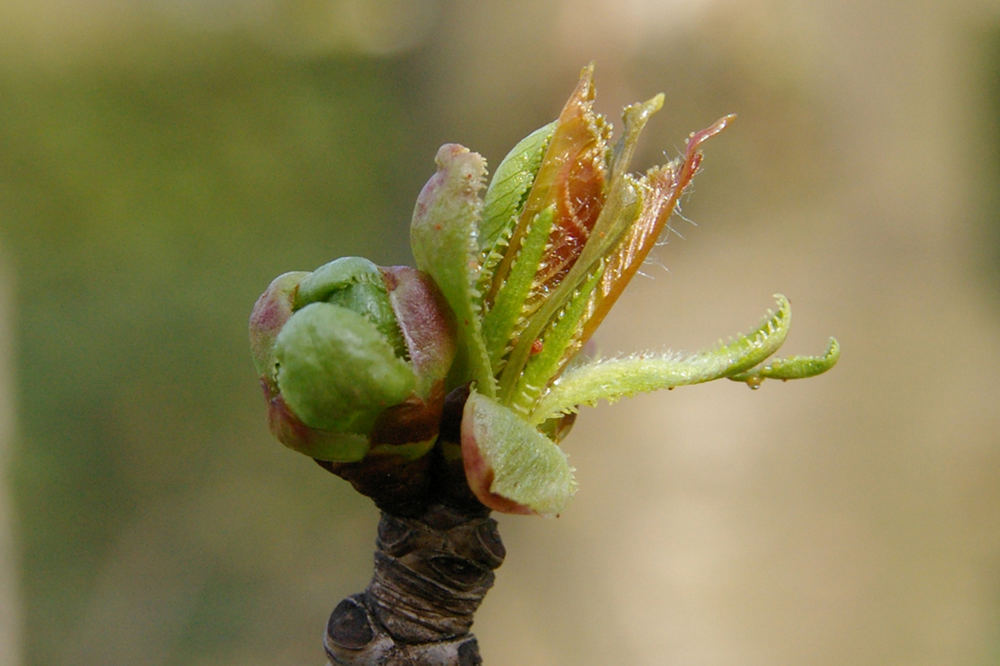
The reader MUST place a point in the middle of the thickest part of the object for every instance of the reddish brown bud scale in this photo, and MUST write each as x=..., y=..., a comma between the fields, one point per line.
x=573, y=176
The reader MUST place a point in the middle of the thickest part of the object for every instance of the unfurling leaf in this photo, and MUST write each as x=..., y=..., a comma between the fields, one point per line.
x=509, y=188
x=612, y=379
x=444, y=238
x=376, y=367
x=510, y=466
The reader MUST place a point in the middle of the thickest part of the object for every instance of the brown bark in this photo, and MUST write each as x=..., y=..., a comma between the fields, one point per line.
x=431, y=573
x=435, y=554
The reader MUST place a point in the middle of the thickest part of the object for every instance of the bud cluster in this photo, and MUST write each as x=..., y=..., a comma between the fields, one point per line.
x=476, y=353
x=352, y=359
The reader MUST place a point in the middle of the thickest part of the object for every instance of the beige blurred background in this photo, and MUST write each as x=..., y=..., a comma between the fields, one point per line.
x=160, y=161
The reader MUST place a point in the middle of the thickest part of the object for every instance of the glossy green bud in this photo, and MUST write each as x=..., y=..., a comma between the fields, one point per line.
x=337, y=371
x=352, y=359
x=356, y=284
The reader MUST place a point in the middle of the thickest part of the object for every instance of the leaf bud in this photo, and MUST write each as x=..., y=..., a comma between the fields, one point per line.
x=352, y=359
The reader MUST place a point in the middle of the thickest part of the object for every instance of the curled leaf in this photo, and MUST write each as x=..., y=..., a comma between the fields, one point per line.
x=793, y=367
x=612, y=379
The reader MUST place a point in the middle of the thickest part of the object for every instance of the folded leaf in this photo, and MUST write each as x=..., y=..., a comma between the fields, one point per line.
x=336, y=371
x=509, y=188
x=356, y=284
x=571, y=177
x=509, y=465
x=551, y=353
x=608, y=220
x=443, y=236
x=509, y=312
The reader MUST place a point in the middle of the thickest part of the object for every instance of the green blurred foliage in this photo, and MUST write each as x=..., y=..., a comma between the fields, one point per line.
x=147, y=206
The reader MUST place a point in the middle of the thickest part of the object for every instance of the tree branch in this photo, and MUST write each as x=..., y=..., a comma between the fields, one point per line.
x=431, y=573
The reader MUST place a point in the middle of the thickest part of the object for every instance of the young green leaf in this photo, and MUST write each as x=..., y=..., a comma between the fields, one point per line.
x=508, y=311
x=793, y=367
x=616, y=378
x=444, y=238
x=509, y=187
x=614, y=216
x=551, y=352
x=509, y=465
x=571, y=178
x=356, y=284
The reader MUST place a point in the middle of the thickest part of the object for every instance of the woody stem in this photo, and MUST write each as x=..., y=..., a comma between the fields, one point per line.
x=431, y=573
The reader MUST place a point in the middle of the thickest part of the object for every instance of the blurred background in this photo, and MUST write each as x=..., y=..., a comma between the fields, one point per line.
x=161, y=161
